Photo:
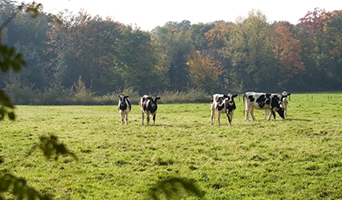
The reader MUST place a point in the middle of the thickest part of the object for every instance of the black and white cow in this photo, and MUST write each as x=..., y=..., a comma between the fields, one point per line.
x=262, y=101
x=283, y=98
x=223, y=104
x=148, y=105
x=284, y=102
x=124, y=106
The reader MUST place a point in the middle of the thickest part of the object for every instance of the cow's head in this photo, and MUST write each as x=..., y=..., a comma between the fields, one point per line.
x=280, y=111
x=122, y=101
x=278, y=106
x=283, y=96
x=229, y=102
x=153, y=100
x=230, y=98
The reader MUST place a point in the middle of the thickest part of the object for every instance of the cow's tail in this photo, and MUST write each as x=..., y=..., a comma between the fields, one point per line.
x=244, y=104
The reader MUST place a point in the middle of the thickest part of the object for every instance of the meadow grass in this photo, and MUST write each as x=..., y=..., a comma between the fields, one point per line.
x=296, y=158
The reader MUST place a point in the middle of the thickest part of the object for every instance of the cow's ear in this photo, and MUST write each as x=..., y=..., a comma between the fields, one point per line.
x=158, y=97
x=126, y=96
x=225, y=96
x=235, y=95
x=288, y=94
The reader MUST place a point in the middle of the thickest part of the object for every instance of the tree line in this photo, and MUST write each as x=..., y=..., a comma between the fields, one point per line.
x=99, y=56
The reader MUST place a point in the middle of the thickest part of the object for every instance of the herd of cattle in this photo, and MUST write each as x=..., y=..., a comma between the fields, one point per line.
x=221, y=103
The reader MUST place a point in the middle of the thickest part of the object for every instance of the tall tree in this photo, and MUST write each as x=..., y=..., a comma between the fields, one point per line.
x=287, y=50
x=174, y=45
x=333, y=49
x=28, y=36
x=204, y=71
x=84, y=46
x=218, y=39
x=251, y=52
x=313, y=30
x=198, y=35
x=135, y=60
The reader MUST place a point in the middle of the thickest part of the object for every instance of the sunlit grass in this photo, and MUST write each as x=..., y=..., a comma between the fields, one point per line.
x=296, y=158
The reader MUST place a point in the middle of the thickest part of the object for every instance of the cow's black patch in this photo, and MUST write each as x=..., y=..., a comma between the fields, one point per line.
x=275, y=102
x=220, y=104
x=251, y=98
x=261, y=101
x=268, y=101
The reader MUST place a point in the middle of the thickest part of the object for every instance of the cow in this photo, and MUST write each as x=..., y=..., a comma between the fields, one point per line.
x=223, y=104
x=283, y=98
x=284, y=102
x=148, y=105
x=262, y=101
x=124, y=106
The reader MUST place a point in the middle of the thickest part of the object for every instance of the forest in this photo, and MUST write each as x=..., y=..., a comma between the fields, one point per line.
x=99, y=56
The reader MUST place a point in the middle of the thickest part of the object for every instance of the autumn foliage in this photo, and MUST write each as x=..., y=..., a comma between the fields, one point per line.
x=287, y=49
x=204, y=71
x=248, y=54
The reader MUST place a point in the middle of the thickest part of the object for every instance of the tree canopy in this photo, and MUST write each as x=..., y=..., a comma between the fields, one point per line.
x=108, y=56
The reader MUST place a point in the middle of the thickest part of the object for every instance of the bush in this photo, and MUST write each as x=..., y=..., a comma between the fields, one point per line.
x=190, y=96
x=79, y=95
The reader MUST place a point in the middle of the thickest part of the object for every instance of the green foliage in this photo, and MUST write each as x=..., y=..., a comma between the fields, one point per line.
x=6, y=107
x=110, y=56
x=9, y=59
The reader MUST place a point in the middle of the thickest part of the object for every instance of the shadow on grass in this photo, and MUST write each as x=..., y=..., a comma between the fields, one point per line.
x=299, y=120
x=171, y=125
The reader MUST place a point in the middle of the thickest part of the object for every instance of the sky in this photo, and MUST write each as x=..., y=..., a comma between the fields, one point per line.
x=148, y=14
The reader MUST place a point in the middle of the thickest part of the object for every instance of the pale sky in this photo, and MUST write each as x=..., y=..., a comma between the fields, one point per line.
x=147, y=14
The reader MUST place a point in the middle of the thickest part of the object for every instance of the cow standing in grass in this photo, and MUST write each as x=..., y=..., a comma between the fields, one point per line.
x=283, y=103
x=124, y=106
x=223, y=104
x=262, y=101
x=283, y=98
x=148, y=105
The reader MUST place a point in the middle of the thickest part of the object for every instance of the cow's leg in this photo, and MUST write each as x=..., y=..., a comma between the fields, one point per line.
x=127, y=119
x=154, y=119
x=148, y=118
x=270, y=112
x=252, y=113
x=212, y=114
x=266, y=114
x=274, y=115
x=247, y=112
x=230, y=117
x=122, y=118
x=142, y=116
x=218, y=118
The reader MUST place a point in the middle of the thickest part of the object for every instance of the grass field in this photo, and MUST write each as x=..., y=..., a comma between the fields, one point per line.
x=296, y=158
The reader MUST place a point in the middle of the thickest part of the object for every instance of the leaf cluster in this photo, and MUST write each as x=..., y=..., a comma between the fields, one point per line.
x=10, y=59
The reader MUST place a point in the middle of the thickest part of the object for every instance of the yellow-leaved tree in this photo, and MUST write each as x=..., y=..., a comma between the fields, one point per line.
x=204, y=71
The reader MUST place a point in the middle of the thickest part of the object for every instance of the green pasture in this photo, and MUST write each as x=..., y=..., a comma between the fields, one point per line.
x=296, y=158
